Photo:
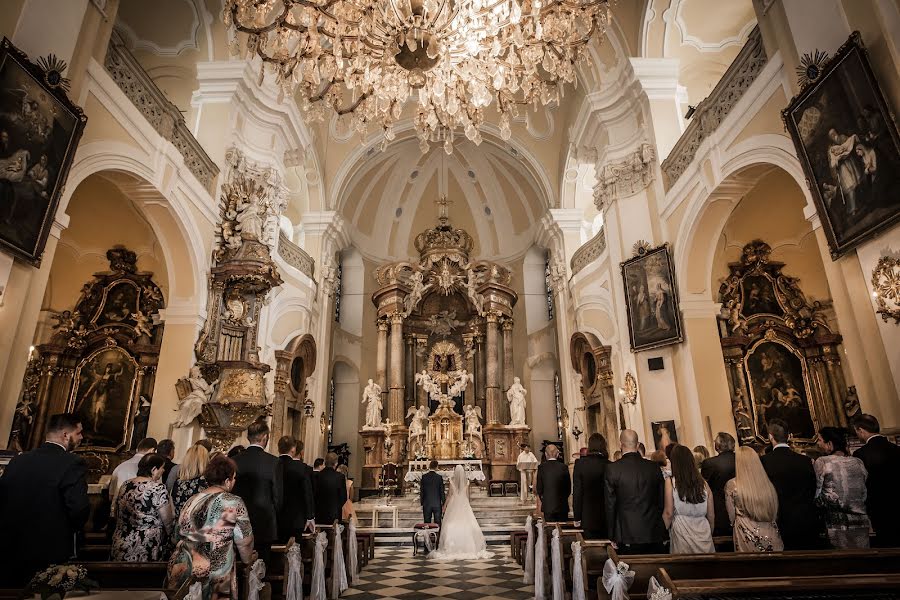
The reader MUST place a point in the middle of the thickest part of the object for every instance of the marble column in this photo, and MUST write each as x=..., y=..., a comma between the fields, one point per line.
x=395, y=398
x=492, y=374
x=409, y=370
x=421, y=347
x=507, y=353
x=381, y=356
x=479, y=373
x=469, y=344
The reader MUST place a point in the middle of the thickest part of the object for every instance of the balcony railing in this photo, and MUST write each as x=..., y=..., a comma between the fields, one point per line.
x=712, y=111
x=295, y=256
x=589, y=252
x=162, y=115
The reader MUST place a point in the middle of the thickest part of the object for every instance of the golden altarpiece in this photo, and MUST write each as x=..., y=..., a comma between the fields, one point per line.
x=782, y=358
x=445, y=321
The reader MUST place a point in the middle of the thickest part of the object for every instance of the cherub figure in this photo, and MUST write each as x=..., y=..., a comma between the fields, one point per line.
x=142, y=324
x=473, y=420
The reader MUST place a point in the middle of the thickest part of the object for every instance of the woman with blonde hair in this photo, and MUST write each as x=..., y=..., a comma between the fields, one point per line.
x=190, y=477
x=752, y=505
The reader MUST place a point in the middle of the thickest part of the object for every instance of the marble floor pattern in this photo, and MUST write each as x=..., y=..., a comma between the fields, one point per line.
x=396, y=573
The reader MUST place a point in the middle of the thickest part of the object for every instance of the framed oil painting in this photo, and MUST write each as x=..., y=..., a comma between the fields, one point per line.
x=849, y=147
x=39, y=131
x=651, y=300
x=778, y=388
x=663, y=434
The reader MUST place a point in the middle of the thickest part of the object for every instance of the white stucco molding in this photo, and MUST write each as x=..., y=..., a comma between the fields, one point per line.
x=698, y=306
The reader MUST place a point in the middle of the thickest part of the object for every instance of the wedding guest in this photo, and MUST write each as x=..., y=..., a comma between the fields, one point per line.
x=318, y=464
x=235, y=450
x=717, y=471
x=212, y=525
x=128, y=469
x=634, y=500
x=752, y=505
x=166, y=449
x=617, y=455
x=589, y=494
x=553, y=486
x=258, y=484
x=642, y=449
x=431, y=495
x=330, y=492
x=881, y=459
x=143, y=515
x=794, y=479
x=297, y=510
x=688, y=513
x=347, y=512
x=43, y=503
x=190, y=477
x=173, y=474
x=841, y=491
x=701, y=453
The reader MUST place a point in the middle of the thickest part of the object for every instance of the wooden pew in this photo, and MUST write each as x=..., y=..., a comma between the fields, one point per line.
x=111, y=575
x=593, y=556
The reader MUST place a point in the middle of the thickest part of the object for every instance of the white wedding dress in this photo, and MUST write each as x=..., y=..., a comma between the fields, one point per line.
x=461, y=536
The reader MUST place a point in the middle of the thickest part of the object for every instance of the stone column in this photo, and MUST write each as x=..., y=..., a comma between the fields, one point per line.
x=479, y=373
x=408, y=373
x=492, y=374
x=395, y=398
x=469, y=355
x=381, y=356
x=507, y=353
x=421, y=347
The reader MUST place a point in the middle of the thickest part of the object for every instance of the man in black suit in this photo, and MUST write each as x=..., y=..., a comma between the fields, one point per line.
x=297, y=508
x=717, y=471
x=43, y=503
x=431, y=494
x=589, y=497
x=882, y=459
x=634, y=500
x=330, y=491
x=553, y=486
x=166, y=449
x=794, y=479
x=259, y=485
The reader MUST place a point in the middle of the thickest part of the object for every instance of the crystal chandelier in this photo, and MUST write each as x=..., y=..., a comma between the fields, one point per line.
x=366, y=58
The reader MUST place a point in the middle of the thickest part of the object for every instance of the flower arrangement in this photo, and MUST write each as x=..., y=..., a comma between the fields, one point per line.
x=53, y=582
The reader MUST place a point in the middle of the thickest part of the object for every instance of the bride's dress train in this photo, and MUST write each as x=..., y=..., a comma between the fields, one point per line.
x=461, y=536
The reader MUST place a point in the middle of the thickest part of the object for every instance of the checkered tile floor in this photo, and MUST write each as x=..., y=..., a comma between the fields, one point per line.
x=396, y=573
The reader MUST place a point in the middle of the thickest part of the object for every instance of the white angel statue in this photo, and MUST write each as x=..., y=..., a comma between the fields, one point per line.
x=372, y=398
x=250, y=221
x=419, y=287
x=473, y=420
x=419, y=421
x=472, y=291
x=516, y=397
x=425, y=381
x=463, y=378
x=191, y=403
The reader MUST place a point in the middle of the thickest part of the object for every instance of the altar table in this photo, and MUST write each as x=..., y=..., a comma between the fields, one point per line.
x=417, y=468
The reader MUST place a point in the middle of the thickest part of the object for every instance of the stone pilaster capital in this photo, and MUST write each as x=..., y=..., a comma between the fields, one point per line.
x=492, y=317
x=397, y=318
x=382, y=324
x=507, y=324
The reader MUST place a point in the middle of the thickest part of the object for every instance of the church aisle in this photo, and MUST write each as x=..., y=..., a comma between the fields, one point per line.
x=396, y=573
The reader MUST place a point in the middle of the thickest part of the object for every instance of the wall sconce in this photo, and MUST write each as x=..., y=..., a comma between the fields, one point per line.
x=886, y=286
x=630, y=391
x=576, y=432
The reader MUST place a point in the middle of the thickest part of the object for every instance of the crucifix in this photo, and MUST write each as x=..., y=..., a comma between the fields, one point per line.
x=443, y=204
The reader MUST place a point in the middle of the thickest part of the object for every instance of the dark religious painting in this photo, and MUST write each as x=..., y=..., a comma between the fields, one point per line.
x=849, y=147
x=39, y=131
x=651, y=300
x=778, y=389
x=663, y=434
x=759, y=296
x=120, y=304
x=104, y=383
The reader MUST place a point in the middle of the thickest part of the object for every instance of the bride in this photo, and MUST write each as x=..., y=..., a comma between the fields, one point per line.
x=461, y=536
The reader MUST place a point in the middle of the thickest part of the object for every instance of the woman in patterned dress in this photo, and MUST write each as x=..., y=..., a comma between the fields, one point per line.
x=841, y=491
x=752, y=505
x=143, y=515
x=212, y=525
x=190, y=478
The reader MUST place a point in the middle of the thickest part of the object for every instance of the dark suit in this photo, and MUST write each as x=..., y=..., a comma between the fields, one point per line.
x=43, y=503
x=634, y=504
x=589, y=495
x=717, y=471
x=881, y=458
x=167, y=468
x=330, y=491
x=297, y=505
x=553, y=487
x=431, y=494
x=259, y=485
x=794, y=479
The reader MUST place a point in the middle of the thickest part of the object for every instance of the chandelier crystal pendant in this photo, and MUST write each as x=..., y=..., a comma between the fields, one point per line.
x=453, y=58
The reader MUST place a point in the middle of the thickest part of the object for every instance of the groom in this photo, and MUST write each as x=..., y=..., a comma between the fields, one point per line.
x=431, y=494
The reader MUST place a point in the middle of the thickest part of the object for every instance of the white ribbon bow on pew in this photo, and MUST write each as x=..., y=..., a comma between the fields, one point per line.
x=338, y=570
x=577, y=573
x=255, y=581
x=655, y=591
x=294, y=590
x=559, y=588
x=540, y=563
x=195, y=592
x=617, y=580
x=353, y=551
x=317, y=588
x=529, y=551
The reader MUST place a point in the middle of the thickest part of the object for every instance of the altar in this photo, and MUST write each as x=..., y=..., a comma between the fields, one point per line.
x=417, y=468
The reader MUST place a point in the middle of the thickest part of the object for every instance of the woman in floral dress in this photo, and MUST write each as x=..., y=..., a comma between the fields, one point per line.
x=143, y=515
x=212, y=525
x=752, y=505
x=841, y=491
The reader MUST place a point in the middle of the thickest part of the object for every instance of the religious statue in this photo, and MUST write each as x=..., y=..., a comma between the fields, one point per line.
x=473, y=420
x=65, y=321
x=472, y=291
x=424, y=380
x=372, y=398
x=250, y=224
x=515, y=395
x=419, y=287
x=142, y=324
x=419, y=421
x=462, y=380
x=191, y=403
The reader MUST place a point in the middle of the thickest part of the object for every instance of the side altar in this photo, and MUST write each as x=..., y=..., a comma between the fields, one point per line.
x=443, y=386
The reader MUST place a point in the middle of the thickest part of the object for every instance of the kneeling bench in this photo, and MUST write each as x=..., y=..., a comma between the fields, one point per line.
x=425, y=533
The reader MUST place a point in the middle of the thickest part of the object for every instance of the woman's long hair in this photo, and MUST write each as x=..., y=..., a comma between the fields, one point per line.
x=755, y=491
x=194, y=463
x=686, y=477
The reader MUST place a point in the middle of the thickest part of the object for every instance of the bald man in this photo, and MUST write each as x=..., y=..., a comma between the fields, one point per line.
x=553, y=486
x=634, y=501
